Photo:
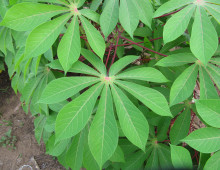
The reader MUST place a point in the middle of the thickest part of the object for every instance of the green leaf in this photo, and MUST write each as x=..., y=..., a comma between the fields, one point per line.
x=77, y=67
x=209, y=110
x=153, y=161
x=170, y=6
x=181, y=157
x=213, y=1
x=178, y=24
x=88, y=160
x=213, y=162
x=184, y=85
x=203, y=158
x=3, y=9
x=207, y=88
x=79, y=3
x=56, y=148
x=94, y=37
x=74, y=116
x=60, y=89
x=29, y=88
x=133, y=123
x=118, y=155
x=204, y=38
x=103, y=134
x=145, y=11
x=162, y=128
x=122, y=63
x=70, y=45
x=26, y=16
x=74, y=155
x=215, y=60
x=39, y=123
x=109, y=17
x=128, y=16
x=181, y=126
x=43, y=37
x=50, y=122
x=174, y=60
x=148, y=96
x=95, y=4
x=205, y=140
x=94, y=60
x=143, y=73
x=135, y=160
x=214, y=10
x=215, y=74
x=164, y=156
x=88, y=13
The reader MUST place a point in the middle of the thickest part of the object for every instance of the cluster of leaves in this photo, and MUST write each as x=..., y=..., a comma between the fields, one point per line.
x=135, y=111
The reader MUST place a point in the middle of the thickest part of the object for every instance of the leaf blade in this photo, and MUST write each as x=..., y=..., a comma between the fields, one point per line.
x=94, y=37
x=103, y=134
x=73, y=117
x=70, y=45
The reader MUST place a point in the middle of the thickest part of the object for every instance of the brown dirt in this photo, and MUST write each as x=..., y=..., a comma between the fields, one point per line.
x=27, y=153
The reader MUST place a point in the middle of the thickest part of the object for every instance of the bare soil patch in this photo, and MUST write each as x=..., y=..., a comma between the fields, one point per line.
x=28, y=154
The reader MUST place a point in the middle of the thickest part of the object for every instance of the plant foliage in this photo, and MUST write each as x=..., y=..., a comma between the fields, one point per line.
x=116, y=84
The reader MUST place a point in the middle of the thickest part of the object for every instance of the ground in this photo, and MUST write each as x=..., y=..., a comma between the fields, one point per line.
x=24, y=152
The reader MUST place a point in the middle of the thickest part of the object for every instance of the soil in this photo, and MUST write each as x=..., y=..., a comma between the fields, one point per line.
x=27, y=155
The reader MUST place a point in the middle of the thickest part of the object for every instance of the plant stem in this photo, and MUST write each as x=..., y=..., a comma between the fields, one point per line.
x=143, y=47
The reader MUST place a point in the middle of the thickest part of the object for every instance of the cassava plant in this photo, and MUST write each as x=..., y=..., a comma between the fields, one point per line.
x=117, y=84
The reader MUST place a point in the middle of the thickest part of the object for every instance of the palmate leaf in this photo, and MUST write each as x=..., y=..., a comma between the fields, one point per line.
x=214, y=72
x=213, y=1
x=184, y=85
x=79, y=3
x=213, y=162
x=133, y=123
x=56, y=148
x=164, y=156
x=205, y=140
x=74, y=155
x=122, y=63
x=181, y=126
x=73, y=117
x=77, y=67
x=90, y=14
x=109, y=17
x=204, y=38
x=149, y=97
x=145, y=11
x=39, y=123
x=94, y=60
x=207, y=88
x=26, y=16
x=153, y=160
x=214, y=10
x=170, y=6
x=178, y=23
x=88, y=160
x=103, y=133
x=174, y=60
x=143, y=73
x=43, y=37
x=181, y=157
x=94, y=37
x=118, y=155
x=136, y=160
x=63, y=88
x=209, y=111
x=70, y=46
x=128, y=16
